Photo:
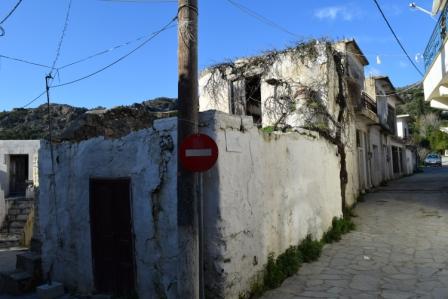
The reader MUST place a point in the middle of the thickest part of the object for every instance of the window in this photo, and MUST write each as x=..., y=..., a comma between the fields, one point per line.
x=253, y=98
x=246, y=98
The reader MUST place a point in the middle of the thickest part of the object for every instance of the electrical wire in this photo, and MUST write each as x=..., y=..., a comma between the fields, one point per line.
x=103, y=52
x=155, y=34
x=396, y=37
x=64, y=30
x=11, y=12
x=262, y=19
x=25, y=61
x=33, y=100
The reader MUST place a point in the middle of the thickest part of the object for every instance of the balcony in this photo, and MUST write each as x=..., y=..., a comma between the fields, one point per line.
x=367, y=109
x=435, y=83
x=436, y=41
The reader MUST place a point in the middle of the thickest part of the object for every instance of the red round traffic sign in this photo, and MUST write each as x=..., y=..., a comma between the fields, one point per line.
x=198, y=153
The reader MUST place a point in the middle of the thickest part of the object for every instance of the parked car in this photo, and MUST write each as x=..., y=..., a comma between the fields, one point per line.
x=433, y=160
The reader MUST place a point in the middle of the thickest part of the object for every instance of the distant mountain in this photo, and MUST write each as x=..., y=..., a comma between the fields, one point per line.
x=76, y=124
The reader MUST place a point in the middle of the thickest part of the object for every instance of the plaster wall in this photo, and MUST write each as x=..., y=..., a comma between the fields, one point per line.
x=266, y=193
x=148, y=158
x=16, y=147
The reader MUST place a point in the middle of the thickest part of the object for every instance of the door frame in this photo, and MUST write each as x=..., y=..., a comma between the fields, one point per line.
x=92, y=180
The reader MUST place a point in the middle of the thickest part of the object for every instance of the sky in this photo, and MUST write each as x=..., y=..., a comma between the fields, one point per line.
x=34, y=30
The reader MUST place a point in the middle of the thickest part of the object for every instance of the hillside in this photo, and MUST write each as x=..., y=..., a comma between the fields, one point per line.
x=75, y=124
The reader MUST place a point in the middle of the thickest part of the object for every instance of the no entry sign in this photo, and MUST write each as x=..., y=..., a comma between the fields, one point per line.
x=198, y=153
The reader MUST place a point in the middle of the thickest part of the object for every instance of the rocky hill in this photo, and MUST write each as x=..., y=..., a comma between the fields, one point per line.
x=76, y=124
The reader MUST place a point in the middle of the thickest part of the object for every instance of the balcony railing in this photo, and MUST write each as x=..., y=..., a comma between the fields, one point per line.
x=367, y=103
x=437, y=39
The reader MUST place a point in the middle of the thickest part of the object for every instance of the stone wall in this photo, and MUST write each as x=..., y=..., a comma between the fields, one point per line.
x=266, y=193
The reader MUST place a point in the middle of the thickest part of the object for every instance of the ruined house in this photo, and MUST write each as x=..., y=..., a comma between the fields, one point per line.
x=314, y=85
x=18, y=178
x=285, y=125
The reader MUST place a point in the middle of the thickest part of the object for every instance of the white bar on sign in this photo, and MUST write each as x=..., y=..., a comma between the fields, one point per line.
x=206, y=152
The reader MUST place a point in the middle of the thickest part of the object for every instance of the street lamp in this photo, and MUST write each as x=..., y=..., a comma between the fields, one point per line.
x=415, y=6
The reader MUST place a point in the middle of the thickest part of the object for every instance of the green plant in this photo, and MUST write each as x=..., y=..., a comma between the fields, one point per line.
x=339, y=227
x=273, y=276
x=268, y=129
x=310, y=249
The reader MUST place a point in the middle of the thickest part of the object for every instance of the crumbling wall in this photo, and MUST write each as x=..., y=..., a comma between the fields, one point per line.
x=148, y=157
x=266, y=193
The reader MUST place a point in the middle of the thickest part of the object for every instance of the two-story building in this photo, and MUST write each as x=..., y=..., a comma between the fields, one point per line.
x=435, y=82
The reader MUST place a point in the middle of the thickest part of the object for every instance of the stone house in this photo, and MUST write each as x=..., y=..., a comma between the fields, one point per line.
x=274, y=90
x=18, y=177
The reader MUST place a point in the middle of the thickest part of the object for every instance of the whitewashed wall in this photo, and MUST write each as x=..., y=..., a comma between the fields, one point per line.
x=266, y=193
x=16, y=147
x=65, y=222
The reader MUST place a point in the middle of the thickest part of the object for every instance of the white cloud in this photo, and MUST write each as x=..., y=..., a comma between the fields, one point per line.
x=336, y=13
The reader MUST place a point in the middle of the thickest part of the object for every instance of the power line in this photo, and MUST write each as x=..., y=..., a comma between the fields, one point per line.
x=396, y=37
x=25, y=61
x=262, y=19
x=103, y=52
x=11, y=12
x=58, y=51
x=155, y=34
x=33, y=100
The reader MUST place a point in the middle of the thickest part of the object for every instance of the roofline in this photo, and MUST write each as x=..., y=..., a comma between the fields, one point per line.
x=364, y=59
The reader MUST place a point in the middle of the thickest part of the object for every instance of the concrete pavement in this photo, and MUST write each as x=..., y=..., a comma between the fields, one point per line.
x=399, y=249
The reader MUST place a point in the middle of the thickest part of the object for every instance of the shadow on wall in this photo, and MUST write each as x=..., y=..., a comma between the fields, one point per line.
x=3, y=181
x=215, y=281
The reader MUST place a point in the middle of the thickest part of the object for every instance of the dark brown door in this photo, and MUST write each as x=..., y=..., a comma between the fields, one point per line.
x=112, y=241
x=18, y=170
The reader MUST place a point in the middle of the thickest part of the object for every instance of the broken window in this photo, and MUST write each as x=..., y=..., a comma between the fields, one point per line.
x=246, y=98
x=253, y=98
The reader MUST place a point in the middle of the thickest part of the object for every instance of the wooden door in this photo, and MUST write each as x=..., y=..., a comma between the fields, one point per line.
x=112, y=237
x=18, y=174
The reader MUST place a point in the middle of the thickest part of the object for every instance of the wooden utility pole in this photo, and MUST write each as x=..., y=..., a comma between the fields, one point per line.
x=188, y=106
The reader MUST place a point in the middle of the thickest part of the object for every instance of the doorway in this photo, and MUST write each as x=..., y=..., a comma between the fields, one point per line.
x=18, y=174
x=112, y=236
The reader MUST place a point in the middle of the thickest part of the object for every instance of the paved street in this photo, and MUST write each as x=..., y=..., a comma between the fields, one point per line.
x=399, y=249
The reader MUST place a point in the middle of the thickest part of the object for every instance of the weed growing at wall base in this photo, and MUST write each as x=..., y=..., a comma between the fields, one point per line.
x=289, y=262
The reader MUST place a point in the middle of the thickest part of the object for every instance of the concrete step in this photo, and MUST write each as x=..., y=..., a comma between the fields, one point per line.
x=22, y=205
x=4, y=244
x=16, y=282
x=11, y=230
x=19, y=217
x=17, y=224
x=30, y=262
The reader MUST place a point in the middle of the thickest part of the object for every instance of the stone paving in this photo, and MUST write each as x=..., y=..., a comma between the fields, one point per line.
x=399, y=249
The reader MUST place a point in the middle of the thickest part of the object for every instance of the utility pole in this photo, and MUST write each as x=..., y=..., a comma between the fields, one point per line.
x=188, y=106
